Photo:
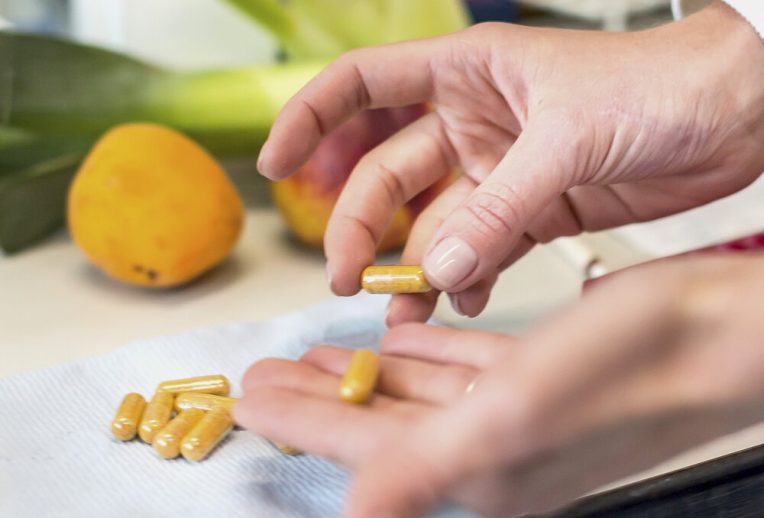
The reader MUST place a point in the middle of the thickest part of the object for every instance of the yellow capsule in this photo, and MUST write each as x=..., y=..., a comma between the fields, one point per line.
x=394, y=279
x=156, y=415
x=202, y=401
x=286, y=449
x=167, y=440
x=207, y=433
x=214, y=384
x=125, y=423
x=360, y=377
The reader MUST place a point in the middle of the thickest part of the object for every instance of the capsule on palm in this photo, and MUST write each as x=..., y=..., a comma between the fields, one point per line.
x=286, y=449
x=360, y=377
x=394, y=279
x=167, y=440
x=213, y=384
x=125, y=423
x=208, y=432
x=202, y=401
x=156, y=415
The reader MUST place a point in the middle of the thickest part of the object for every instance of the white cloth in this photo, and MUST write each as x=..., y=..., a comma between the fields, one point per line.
x=57, y=456
x=751, y=10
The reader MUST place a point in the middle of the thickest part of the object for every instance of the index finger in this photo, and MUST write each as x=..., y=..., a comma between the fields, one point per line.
x=378, y=77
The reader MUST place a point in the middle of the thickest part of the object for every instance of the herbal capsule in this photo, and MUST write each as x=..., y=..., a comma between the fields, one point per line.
x=207, y=433
x=125, y=423
x=167, y=441
x=214, y=384
x=360, y=377
x=156, y=415
x=286, y=449
x=202, y=401
x=394, y=279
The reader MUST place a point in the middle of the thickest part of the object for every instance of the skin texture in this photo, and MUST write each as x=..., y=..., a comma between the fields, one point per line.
x=589, y=388
x=557, y=132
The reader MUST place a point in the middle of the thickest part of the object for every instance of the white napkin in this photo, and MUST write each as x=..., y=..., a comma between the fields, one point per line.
x=730, y=218
x=57, y=456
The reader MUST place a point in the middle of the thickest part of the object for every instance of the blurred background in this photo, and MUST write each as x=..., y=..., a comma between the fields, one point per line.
x=201, y=33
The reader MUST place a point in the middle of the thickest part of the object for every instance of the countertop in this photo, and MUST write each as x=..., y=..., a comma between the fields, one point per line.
x=55, y=307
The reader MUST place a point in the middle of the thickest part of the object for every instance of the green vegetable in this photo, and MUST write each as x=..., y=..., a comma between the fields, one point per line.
x=57, y=97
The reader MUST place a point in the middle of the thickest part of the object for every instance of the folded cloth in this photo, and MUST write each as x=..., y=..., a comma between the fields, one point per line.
x=58, y=458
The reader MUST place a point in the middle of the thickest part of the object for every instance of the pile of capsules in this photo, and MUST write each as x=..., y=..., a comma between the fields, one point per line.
x=202, y=420
x=203, y=410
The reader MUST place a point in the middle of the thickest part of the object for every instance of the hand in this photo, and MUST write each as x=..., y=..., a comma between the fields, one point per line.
x=557, y=131
x=649, y=363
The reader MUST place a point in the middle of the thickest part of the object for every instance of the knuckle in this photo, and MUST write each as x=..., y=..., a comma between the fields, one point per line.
x=496, y=212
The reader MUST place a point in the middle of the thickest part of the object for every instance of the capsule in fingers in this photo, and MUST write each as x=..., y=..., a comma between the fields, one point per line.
x=208, y=432
x=202, y=401
x=360, y=377
x=394, y=279
x=167, y=440
x=125, y=423
x=156, y=415
x=213, y=384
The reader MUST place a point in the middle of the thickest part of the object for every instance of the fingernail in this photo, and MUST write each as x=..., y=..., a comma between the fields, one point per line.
x=450, y=262
x=455, y=304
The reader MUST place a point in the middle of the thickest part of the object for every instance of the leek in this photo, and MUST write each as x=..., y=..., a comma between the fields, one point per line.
x=57, y=97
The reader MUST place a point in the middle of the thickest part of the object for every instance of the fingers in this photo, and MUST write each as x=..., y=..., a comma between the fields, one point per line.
x=482, y=232
x=419, y=307
x=386, y=76
x=472, y=301
x=443, y=345
x=302, y=377
x=329, y=428
x=407, y=478
x=386, y=178
x=402, y=378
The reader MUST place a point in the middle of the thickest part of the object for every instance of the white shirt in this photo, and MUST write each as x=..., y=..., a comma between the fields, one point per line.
x=751, y=10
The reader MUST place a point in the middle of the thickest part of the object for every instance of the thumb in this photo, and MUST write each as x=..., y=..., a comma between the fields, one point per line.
x=480, y=234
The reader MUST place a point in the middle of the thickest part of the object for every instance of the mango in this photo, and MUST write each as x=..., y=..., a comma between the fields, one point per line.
x=150, y=207
x=306, y=199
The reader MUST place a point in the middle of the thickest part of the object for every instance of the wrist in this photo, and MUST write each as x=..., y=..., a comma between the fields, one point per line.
x=730, y=58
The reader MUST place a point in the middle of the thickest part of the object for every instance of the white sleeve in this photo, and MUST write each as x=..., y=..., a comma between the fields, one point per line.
x=751, y=10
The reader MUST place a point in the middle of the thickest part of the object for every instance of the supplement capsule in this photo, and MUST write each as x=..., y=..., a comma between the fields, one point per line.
x=394, y=279
x=207, y=433
x=167, y=441
x=360, y=377
x=214, y=384
x=125, y=423
x=286, y=449
x=156, y=415
x=202, y=401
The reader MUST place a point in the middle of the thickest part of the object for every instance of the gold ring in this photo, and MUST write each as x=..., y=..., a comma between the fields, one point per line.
x=472, y=385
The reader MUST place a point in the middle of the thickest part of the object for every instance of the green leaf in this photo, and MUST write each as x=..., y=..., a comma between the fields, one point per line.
x=33, y=201
x=56, y=87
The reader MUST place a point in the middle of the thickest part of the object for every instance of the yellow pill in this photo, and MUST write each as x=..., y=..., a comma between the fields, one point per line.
x=125, y=423
x=207, y=433
x=214, y=384
x=286, y=449
x=167, y=440
x=156, y=415
x=360, y=377
x=394, y=279
x=202, y=401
